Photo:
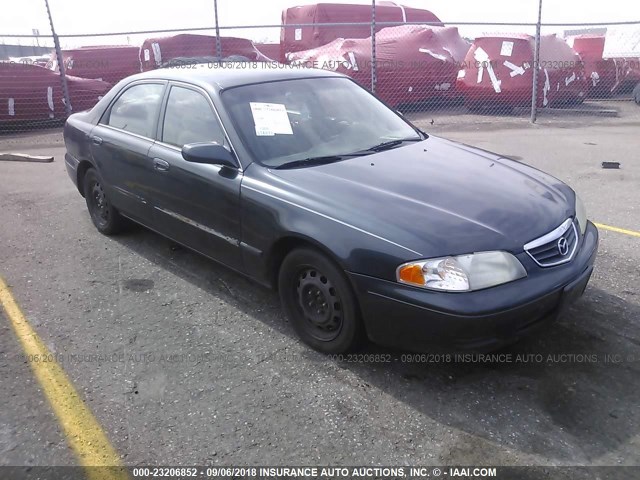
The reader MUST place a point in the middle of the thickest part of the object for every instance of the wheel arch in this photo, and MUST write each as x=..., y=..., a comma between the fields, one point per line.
x=285, y=245
x=290, y=243
x=83, y=167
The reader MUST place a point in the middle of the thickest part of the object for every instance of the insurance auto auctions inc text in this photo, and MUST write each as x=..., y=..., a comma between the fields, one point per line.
x=375, y=472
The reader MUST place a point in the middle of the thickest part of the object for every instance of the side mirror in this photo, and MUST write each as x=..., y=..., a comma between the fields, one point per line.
x=211, y=153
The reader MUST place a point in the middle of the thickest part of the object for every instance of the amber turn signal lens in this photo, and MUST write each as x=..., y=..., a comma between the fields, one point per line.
x=412, y=274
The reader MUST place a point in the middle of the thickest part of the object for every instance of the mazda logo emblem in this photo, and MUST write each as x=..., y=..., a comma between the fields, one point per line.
x=563, y=246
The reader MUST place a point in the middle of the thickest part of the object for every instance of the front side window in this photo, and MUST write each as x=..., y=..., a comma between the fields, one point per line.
x=189, y=118
x=137, y=108
x=291, y=121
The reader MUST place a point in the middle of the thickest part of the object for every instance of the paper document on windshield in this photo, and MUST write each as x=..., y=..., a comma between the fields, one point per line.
x=270, y=119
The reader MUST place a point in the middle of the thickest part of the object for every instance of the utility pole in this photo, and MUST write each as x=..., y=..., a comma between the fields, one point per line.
x=218, y=46
x=61, y=67
x=536, y=67
x=373, y=46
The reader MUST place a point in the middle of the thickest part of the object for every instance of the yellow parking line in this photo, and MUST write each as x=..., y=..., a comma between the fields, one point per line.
x=616, y=229
x=83, y=433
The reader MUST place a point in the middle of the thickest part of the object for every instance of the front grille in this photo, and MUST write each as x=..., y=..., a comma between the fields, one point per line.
x=556, y=247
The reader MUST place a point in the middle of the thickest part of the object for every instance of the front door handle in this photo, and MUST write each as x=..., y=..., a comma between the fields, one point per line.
x=160, y=165
x=96, y=140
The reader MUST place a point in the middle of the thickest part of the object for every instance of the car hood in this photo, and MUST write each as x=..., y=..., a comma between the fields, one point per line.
x=435, y=197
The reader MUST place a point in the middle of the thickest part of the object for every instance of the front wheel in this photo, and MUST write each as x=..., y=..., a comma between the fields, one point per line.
x=103, y=215
x=319, y=302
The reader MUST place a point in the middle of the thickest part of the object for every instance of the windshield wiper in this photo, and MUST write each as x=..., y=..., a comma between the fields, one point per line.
x=307, y=162
x=392, y=143
x=336, y=158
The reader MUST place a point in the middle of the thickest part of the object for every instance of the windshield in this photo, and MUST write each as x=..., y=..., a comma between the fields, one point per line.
x=305, y=119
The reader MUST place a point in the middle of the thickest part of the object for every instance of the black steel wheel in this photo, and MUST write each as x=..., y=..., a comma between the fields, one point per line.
x=103, y=215
x=319, y=302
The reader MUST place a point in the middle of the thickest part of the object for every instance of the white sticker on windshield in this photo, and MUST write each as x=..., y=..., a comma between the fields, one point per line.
x=270, y=119
x=298, y=34
x=507, y=49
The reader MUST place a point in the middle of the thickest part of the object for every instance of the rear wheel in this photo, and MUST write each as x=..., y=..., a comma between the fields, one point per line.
x=319, y=302
x=103, y=215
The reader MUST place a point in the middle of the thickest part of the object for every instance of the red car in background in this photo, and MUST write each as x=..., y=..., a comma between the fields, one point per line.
x=33, y=93
x=415, y=63
x=156, y=52
x=316, y=33
x=606, y=74
x=110, y=63
x=600, y=72
x=498, y=71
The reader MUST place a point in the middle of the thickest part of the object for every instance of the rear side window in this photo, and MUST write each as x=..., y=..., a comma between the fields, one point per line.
x=137, y=108
x=189, y=118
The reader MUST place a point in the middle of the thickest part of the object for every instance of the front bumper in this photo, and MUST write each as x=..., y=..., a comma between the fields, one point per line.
x=409, y=317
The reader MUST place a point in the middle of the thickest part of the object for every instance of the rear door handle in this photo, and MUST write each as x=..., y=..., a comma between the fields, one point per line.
x=96, y=140
x=160, y=165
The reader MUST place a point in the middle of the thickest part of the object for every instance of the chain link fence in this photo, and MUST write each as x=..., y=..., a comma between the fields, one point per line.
x=461, y=73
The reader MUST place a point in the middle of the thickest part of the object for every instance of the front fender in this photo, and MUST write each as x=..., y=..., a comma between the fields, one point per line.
x=270, y=214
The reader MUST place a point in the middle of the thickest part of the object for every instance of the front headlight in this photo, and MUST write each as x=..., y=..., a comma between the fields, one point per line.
x=581, y=215
x=462, y=273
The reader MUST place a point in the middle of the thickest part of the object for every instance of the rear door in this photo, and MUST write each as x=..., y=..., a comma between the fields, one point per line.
x=120, y=144
x=195, y=204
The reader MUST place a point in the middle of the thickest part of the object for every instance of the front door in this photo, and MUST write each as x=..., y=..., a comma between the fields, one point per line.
x=195, y=204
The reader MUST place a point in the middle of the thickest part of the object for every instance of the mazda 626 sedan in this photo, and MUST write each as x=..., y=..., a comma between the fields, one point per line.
x=303, y=181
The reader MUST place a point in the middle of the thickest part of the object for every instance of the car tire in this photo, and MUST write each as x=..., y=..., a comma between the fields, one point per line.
x=636, y=94
x=103, y=214
x=319, y=302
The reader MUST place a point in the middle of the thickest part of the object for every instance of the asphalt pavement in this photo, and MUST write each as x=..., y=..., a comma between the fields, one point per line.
x=184, y=362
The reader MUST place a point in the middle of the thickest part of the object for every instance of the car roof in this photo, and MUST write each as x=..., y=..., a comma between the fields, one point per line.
x=233, y=74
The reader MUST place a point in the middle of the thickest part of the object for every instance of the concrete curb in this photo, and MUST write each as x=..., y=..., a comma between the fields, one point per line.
x=593, y=112
x=21, y=157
